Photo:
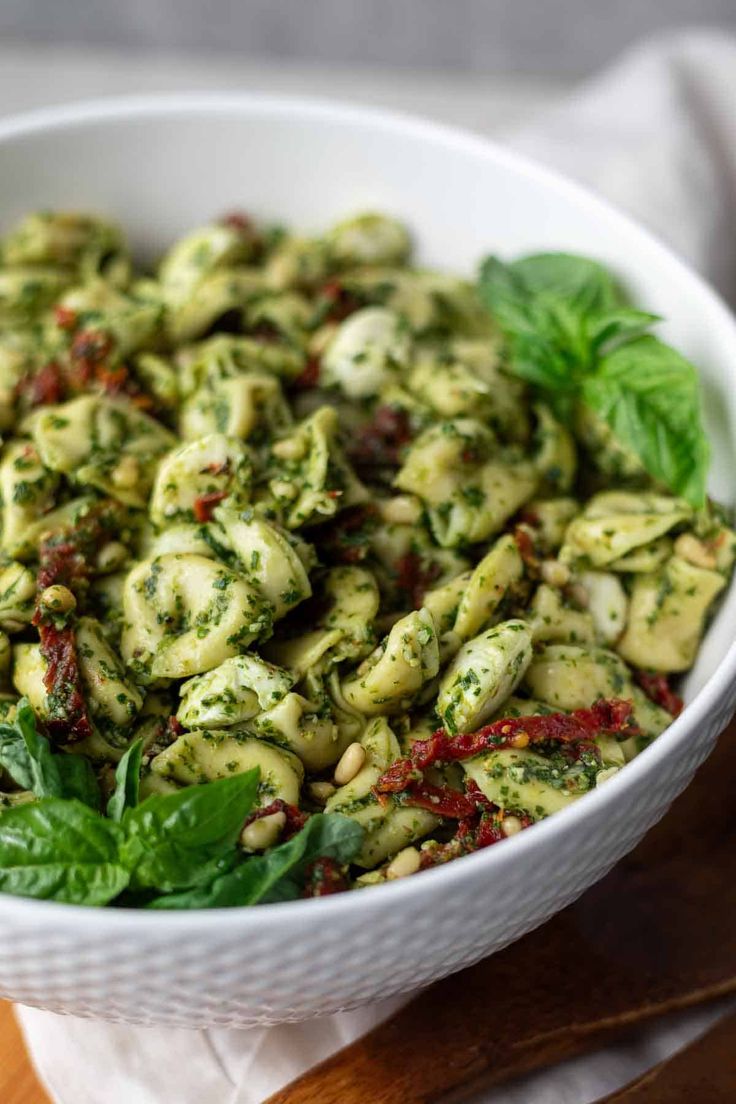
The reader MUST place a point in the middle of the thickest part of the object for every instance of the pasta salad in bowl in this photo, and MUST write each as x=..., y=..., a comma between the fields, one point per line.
x=365, y=522
x=321, y=568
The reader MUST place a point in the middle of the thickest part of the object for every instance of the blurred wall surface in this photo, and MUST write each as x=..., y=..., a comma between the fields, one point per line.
x=560, y=38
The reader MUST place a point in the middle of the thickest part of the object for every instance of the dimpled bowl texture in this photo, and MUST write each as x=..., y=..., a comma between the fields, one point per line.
x=162, y=165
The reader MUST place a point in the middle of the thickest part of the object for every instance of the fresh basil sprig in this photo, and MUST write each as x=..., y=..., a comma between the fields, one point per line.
x=571, y=334
x=60, y=850
x=175, y=850
x=277, y=875
x=28, y=758
x=127, y=782
x=176, y=841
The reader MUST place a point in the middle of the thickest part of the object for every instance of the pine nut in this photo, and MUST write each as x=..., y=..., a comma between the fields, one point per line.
x=350, y=763
x=127, y=473
x=321, y=338
x=264, y=832
x=112, y=556
x=577, y=593
x=58, y=599
x=511, y=825
x=695, y=552
x=282, y=488
x=321, y=792
x=406, y=862
x=291, y=448
x=555, y=573
x=401, y=510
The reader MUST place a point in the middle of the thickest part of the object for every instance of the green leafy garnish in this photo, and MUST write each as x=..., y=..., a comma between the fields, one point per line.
x=127, y=782
x=572, y=335
x=172, y=840
x=279, y=874
x=60, y=850
x=175, y=850
x=28, y=758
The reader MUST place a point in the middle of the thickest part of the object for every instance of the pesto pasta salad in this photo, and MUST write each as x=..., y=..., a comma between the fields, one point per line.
x=319, y=568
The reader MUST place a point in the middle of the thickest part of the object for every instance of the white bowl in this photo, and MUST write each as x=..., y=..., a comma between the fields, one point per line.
x=162, y=165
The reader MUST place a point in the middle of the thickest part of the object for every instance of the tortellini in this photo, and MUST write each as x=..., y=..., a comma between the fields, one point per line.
x=204, y=755
x=369, y=347
x=369, y=239
x=297, y=514
x=267, y=557
x=388, y=680
x=483, y=674
x=388, y=826
x=103, y=443
x=470, y=490
x=313, y=479
x=668, y=609
x=185, y=614
x=235, y=691
x=86, y=245
x=204, y=473
x=28, y=488
x=614, y=523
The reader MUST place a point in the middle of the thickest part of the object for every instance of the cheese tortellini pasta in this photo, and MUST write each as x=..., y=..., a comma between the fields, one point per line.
x=278, y=502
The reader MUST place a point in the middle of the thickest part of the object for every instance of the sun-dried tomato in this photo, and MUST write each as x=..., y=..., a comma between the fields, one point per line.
x=380, y=442
x=295, y=818
x=338, y=302
x=481, y=828
x=310, y=376
x=66, y=556
x=346, y=540
x=530, y=518
x=68, y=720
x=93, y=346
x=46, y=386
x=323, y=877
x=580, y=726
x=174, y=728
x=657, y=688
x=442, y=800
x=577, y=729
x=525, y=544
x=65, y=318
x=113, y=380
x=205, y=504
x=245, y=227
x=414, y=577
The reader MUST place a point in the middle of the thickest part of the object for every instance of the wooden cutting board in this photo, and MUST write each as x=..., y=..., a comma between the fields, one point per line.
x=18, y=1083
x=657, y=932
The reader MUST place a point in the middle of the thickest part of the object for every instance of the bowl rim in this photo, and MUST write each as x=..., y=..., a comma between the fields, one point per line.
x=480, y=864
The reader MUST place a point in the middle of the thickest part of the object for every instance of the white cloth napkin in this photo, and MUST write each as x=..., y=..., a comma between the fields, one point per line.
x=656, y=134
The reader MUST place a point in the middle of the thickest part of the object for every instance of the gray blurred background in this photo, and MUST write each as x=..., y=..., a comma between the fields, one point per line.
x=557, y=38
x=486, y=64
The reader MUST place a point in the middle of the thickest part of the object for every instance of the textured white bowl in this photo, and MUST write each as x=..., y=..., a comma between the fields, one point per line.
x=164, y=164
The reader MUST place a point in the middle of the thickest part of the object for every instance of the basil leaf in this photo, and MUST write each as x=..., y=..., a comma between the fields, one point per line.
x=615, y=328
x=14, y=757
x=29, y=759
x=175, y=841
x=279, y=874
x=585, y=285
x=548, y=336
x=127, y=782
x=60, y=850
x=571, y=335
x=648, y=394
